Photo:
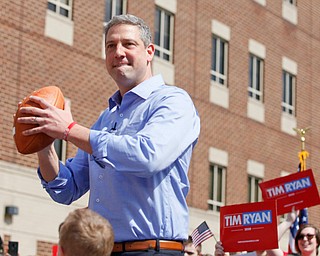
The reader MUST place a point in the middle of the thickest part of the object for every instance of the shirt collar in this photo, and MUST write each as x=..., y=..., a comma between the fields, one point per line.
x=142, y=90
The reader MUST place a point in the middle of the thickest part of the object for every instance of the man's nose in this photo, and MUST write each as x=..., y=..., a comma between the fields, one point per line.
x=120, y=50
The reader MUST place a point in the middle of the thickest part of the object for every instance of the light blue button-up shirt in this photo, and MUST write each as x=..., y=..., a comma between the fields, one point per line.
x=137, y=173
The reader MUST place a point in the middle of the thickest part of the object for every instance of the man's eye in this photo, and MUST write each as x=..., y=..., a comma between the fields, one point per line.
x=129, y=44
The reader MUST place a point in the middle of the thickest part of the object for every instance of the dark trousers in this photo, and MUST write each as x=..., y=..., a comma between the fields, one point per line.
x=148, y=252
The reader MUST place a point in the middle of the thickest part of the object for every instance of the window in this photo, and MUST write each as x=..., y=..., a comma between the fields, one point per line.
x=290, y=11
x=61, y=7
x=254, y=193
x=60, y=145
x=219, y=91
x=255, y=89
x=114, y=7
x=61, y=149
x=163, y=38
x=288, y=93
x=219, y=57
x=217, y=187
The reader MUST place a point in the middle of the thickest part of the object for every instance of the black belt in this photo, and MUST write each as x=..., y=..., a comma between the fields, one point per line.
x=143, y=245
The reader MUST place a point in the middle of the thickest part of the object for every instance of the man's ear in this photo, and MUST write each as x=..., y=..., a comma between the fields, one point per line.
x=150, y=52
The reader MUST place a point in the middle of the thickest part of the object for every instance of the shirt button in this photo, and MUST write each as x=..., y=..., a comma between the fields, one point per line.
x=98, y=200
x=121, y=115
x=100, y=176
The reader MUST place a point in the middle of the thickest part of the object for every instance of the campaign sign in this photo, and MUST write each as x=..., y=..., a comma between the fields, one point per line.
x=249, y=227
x=298, y=190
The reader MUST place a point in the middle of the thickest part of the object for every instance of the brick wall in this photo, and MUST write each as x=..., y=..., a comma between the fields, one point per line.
x=44, y=248
x=230, y=129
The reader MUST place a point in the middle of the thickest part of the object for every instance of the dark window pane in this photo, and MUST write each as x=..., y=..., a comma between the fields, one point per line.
x=64, y=12
x=251, y=72
x=221, y=57
x=108, y=10
x=214, y=54
x=58, y=148
x=284, y=81
x=211, y=183
x=119, y=7
x=52, y=7
x=290, y=90
x=258, y=75
x=157, y=21
x=167, y=32
x=256, y=191
x=249, y=191
x=219, y=188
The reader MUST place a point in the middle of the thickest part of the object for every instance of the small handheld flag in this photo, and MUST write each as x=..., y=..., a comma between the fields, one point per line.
x=201, y=233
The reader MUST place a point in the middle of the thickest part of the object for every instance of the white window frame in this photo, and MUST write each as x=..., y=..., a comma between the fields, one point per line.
x=288, y=103
x=161, y=52
x=254, y=192
x=256, y=86
x=220, y=78
x=219, y=94
x=60, y=5
x=255, y=171
x=290, y=11
x=213, y=203
x=289, y=121
x=114, y=8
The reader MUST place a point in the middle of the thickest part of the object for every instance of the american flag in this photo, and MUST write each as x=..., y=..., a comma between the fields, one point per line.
x=301, y=219
x=201, y=233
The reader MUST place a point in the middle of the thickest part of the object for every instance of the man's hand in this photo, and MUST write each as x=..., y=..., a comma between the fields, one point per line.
x=51, y=120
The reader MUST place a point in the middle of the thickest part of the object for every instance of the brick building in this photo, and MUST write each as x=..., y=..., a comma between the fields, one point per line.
x=251, y=67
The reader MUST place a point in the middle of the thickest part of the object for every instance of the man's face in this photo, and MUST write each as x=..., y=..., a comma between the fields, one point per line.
x=127, y=58
x=190, y=250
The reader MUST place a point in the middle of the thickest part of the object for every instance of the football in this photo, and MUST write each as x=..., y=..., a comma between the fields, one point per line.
x=34, y=143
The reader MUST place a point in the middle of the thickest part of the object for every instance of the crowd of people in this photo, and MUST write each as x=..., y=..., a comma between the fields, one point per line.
x=134, y=159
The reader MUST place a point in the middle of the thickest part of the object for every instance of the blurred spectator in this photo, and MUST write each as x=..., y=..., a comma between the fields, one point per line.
x=85, y=232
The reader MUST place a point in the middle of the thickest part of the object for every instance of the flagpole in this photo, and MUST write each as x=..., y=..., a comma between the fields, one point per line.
x=303, y=154
x=303, y=214
x=214, y=238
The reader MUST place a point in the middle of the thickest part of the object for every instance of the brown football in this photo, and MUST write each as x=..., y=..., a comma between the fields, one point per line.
x=34, y=143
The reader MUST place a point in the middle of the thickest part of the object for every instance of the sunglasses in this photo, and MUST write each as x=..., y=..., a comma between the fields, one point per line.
x=309, y=236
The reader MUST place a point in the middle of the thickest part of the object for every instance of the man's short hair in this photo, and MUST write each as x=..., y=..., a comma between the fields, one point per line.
x=130, y=19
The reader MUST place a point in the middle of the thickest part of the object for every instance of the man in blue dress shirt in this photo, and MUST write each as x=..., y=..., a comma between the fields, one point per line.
x=135, y=158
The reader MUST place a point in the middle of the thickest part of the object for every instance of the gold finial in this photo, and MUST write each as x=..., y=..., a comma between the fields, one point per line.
x=303, y=154
x=302, y=133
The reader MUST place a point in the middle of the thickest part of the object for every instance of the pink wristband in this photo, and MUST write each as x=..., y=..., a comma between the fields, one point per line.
x=67, y=130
